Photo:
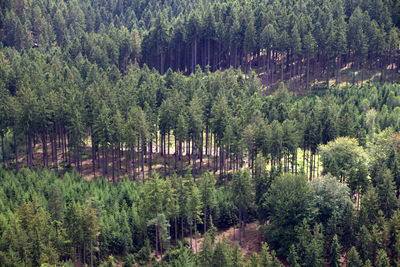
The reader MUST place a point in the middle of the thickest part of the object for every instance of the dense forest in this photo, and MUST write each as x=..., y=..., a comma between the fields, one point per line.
x=211, y=133
x=305, y=40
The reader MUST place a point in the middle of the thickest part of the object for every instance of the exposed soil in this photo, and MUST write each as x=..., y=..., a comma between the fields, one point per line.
x=251, y=242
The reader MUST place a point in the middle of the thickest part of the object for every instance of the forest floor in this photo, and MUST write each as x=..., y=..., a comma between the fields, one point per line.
x=251, y=242
x=348, y=76
x=158, y=163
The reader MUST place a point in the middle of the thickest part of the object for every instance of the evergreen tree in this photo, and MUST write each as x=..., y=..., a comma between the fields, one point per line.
x=353, y=259
x=242, y=196
x=334, y=252
x=293, y=258
x=382, y=259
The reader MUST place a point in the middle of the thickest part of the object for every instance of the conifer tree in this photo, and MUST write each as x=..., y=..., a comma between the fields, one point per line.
x=353, y=259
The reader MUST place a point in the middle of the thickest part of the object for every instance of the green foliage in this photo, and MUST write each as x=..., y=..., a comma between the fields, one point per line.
x=221, y=256
x=353, y=259
x=382, y=259
x=334, y=252
x=341, y=155
x=87, y=82
x=331, y=197
x=289, y=201
x=30, y=237
x=293, y=259
x=310, y=246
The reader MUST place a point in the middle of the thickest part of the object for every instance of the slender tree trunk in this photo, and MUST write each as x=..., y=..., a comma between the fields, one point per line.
x=143, y=148
x=113, y=162
x=240, y=226
x=311, y=165
x=156, y=242
x=308, y=73
x=15, y=151
x=118, y=160
x=188, y=152
x=327, y=72
x=84, y=253
x=176, y=154
x=181, y=155
x=191, y=234
x=201, y=150
x=165, y=159
x=205, y=219
x=195, y=237
x=182, y=230
x=3, y=151
x=106, y=150
x=176, y=229
x=133, y=163
x=150, y=158
x=194, y=161
x=44, y=150
x=304, y=157
x=168, y=142
x=91, y=253
x=30, y=151
x=103, y=162
x=55, y=162
x=281, y=67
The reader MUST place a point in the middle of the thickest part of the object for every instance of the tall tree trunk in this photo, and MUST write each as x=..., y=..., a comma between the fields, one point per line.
x=195, y=236
x=118, y=160
x=181, y=156
x=175, y=154
x=205, y=219
x=44, y=150
x=103, y=162
x=106, y=150
x=165, y=158
x=168, y=143
x=209, y=48
x=327, y=72
x=236, y=53
x=240, y=226
x=308, y=72
x=156, y=242
x=113, y=162
x=176, y=228
x=91, y=253
x=30, y=151
x=150, y=158
x=15, y=150
x=281, y=67
x=143, y=148
x=191, y=234
x=3, y=151
x=93, y=153
x=201, y=150
x=182, y=237
x=55, y=161
x=221, y=163
x=194, y=160
x=133, y=163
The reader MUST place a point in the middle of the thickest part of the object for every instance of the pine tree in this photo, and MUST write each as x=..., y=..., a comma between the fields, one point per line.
x=387, y=194
x=293, y=258
x=353, y=259
x=382, y=259
x=241, y=192
x=208, y=196
x=193, y=210
x=334, y=252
